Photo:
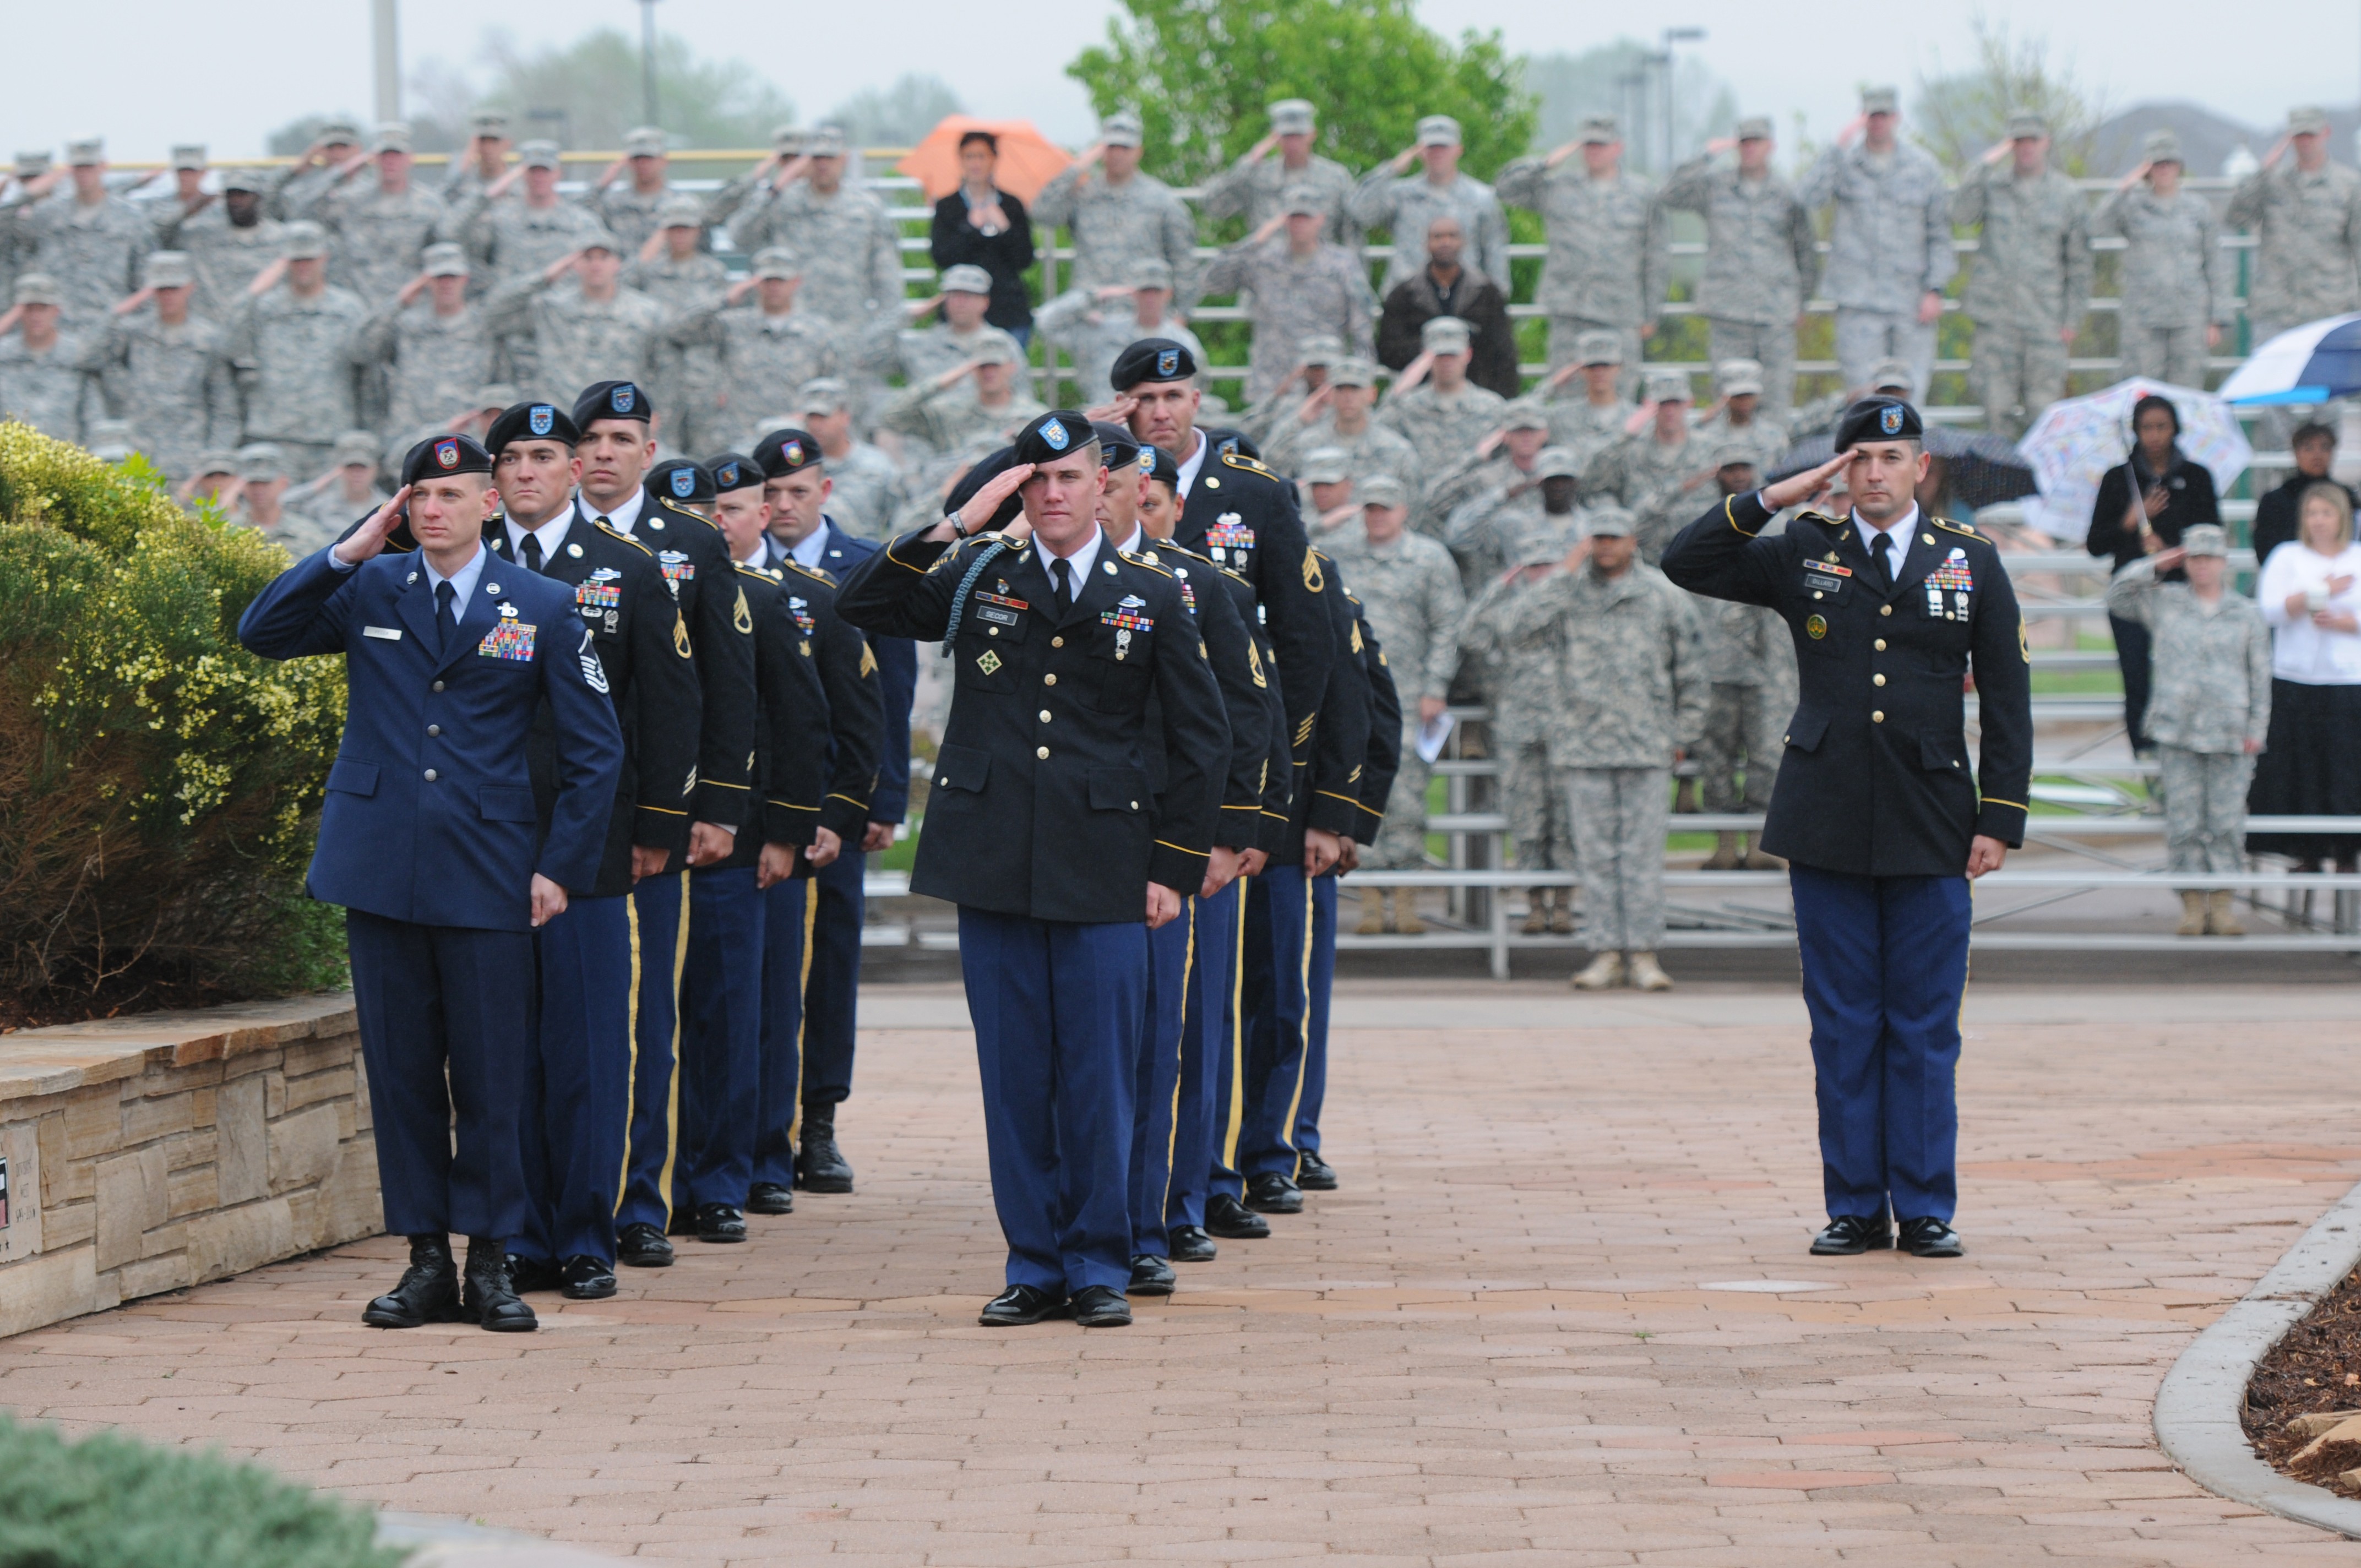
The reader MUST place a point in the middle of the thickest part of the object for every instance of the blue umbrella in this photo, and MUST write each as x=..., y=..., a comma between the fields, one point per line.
x=2309, y=363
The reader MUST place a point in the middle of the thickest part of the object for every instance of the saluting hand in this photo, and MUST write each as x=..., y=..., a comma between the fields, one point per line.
x=1803, y=486
x=370, y=537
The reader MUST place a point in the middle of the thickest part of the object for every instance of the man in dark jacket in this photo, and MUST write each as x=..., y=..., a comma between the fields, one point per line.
x=1446, y=288
x=2315, y=446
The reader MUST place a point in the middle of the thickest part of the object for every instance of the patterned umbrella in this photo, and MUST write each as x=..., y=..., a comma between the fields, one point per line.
x=1028, y=159
x=2076, y=441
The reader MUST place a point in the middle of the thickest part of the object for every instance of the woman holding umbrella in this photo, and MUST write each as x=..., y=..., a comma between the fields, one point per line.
x=2144, y=504
x=985, y=226
x=2310, y=598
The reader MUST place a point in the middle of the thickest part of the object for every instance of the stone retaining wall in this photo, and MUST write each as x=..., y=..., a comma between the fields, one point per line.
x=147, y=1153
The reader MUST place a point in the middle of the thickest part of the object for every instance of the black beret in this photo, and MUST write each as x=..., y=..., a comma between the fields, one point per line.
x=975, y=479
x=1152, y=359
x=1165, y=469
x=612, y=400
x=785, y=452
x=1233, y=441
x=1878, y=419
x=441, y=455
x=678, y=479
x=531, y=421
x=731, y=471
x=1116, y=444
x=1057, y=433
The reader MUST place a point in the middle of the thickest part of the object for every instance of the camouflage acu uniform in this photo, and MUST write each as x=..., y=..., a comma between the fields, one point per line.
x=764, y=359
x=2211, y=693
x=949, y=420
x=1404, y=207
x=921, y=355
x=93, y=252
x=299, y=533
x=1409, y=590
x=1585, y=428
x=688, y=375
x=1521, y=681
x=2175, y=281
x=51, y=391
x=1375, y=450
x=1252, y=188
x=1483, y=526
x=432, y=364
x=1646, y=475
x=2031, y=279
x=1632, y=689
x=2307, y=235
x=629, y=214
x=1890, y=244
x=1293, y=298
x=223, y=257
x=1760, y=263
x=381, y=237
x=1116, y=226
x=1608, y=263
x=868, y=493
x=293, y=359
x=1442, y=430
x=561, y=339
x=512, y=239
x=1766, y=439
x=1095, y=336
x=1752, y=661
x=172, y=383
x=849, y=249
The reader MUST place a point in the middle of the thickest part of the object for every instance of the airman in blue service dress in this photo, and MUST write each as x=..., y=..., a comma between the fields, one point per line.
x=574, y=1105
x=1878, y=815
x=429, y=839
x=1042, y=827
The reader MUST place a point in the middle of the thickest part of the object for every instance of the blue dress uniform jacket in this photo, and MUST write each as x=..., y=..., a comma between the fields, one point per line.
x=1040, y=805
x=641, y=639
x=429, y=817
x=1875, y=780
x=1328, y=781
x=1383, y=758
x=1222, y=602
x=791, y=726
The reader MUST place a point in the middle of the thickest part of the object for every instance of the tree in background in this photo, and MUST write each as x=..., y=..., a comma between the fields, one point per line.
x=897, y=115
x=1959, y=116
x=1201, y=72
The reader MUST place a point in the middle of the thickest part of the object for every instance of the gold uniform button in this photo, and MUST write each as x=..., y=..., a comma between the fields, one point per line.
x=1877, y=680
x=1885, y=610
x=438, y=685
x=1043, y=752
x=991, y=631
x=1049, y=680
x=1881, y=644
x=1056, y=642
x=1816, y=594
x=1045, y=716
x=1877, y=716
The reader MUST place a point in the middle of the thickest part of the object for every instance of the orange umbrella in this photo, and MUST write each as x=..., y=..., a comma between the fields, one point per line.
x=1029, y=161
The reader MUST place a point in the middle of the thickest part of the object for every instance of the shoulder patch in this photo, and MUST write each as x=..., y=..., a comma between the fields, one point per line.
x=611, y=531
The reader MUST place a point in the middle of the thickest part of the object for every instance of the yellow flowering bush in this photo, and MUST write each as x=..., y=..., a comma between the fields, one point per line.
x=160, y=786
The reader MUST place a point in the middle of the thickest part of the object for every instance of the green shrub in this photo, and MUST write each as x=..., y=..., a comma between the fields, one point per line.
x=108, y=1502
x=160, y=786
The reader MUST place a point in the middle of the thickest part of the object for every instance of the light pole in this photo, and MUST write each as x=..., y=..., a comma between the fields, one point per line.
x=647, y=59
x=385, y=16
x=1672, y=36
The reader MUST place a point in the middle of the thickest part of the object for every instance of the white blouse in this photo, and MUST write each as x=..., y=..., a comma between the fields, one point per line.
x=2300, y=651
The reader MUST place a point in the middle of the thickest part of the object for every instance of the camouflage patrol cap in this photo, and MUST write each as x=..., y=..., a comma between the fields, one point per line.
x=996, y=348
x=443, y=260
x=1739, y=378
x=1541, y=547
x=644, y=141
x=2161, y=147
x=218, y=461
x=339, y=130
x=826, y=141
x=599, y=238
x=1326, y=466
x=788, y=141
x=1291, y=116
x=1381, y=490
x=1556, y=463
x=1736, y=454
x=2204, y=539
x=1523, y=413
x=167, y=269
x=1304, y=199
x=1665, y=385
x=497, y=395
x=1608, y=522
x=680, y=211
x=188, y=155
x=303, y=240
x=2027, y=125
x=775, y=261
x=2307, y=119
x=541, y=155
x=1880, y=100
x=1438, y=130
x=393, y=135
x=488, y=123
x=1121, y=128
x=1597, y=347
x=32, y=165
x=1892, y=375
x=966, y=277
x=38, y=288
x=1150, y=272
x=260, y=462
x=1319, y=349
x=1351, y=370
x=1445, y=335
x=353, y=448
x=825, y=396
x=1754, y=128
x=86, y=150
x=249, y=181
x=1600, y=130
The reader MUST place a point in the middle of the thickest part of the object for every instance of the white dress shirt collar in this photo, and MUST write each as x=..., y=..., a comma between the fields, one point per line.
x=463, y=581
x=1079, y=564
x=626, y=515
x=1194, y=461
x=551, y=535
x=809, y=549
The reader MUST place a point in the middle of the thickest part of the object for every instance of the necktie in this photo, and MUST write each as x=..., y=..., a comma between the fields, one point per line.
x=531, y=554
x=443, y=596
x=1885, y=560
x=1059, y=569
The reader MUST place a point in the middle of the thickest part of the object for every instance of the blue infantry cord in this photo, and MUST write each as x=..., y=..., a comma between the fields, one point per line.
x=959, y=600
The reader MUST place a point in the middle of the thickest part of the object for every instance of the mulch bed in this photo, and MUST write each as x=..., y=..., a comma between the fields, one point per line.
x=2317, y=1368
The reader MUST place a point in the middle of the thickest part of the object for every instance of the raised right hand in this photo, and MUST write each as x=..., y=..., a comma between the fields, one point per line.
x=1803, y=486
x=370, y=537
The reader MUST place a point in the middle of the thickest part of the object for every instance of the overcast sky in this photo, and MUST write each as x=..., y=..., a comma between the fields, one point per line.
x=147, y=73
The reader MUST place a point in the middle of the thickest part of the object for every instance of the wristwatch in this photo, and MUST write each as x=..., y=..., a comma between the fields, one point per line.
x=958, y=524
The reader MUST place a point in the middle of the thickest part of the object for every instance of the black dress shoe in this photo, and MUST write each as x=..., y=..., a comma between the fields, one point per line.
x=1848, y=1235
x=642, y=1245
x=1231, y=1221
x=1102, y=1307
x=1151, y=1275
x=527, y=1275
x=1022, y=1304
x=1931, y=1238
x=1271, y=1193
x=769, y=1198
x=588, y=1278
x=429, y=1292
x=1314, y=1174
x=486, y=1296
x=820, y=1163
x=1190, y=1244
x=719, y=1223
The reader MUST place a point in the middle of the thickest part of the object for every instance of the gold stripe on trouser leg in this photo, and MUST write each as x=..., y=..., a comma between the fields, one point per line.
x=631, y=1077
x=1238, y=1036
x=1303, y=1053
x=1179, y=1047
x=803, y=1012
x=672, y=1100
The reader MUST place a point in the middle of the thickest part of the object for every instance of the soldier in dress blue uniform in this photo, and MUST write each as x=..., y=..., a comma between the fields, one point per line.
x=617, y=448
x=575, y=1098
x=806, y=543
x=1042, y=827
x=811, y=686
x=429, y=839
x=1874, y=809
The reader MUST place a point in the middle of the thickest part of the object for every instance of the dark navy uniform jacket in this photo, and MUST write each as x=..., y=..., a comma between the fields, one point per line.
x=429, y=817
x=1222, y=602
x=791, y=729
x=621, y=599
x=852, y=747
x=1328, y=780
x=898, y=678
x=1875, y=778
x=1382, y=761
x=1041, y=804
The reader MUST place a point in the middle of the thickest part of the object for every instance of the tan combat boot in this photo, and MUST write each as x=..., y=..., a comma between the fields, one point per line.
x=1562, y=917
x=1727, y=853
x=1537, y=912
x=1406, y=919
x=2192, y=913
x=2222, y=914
x=1372, y=912
x=1606, y=969
x=1648, y=975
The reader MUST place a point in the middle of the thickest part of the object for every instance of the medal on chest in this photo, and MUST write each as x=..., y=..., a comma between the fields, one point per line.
x=1229, y=539
x=1126, y=618
x=1948, y=587
x=510, y=640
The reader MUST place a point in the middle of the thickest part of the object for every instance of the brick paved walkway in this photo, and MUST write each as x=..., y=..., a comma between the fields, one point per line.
x=1521, y=1334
